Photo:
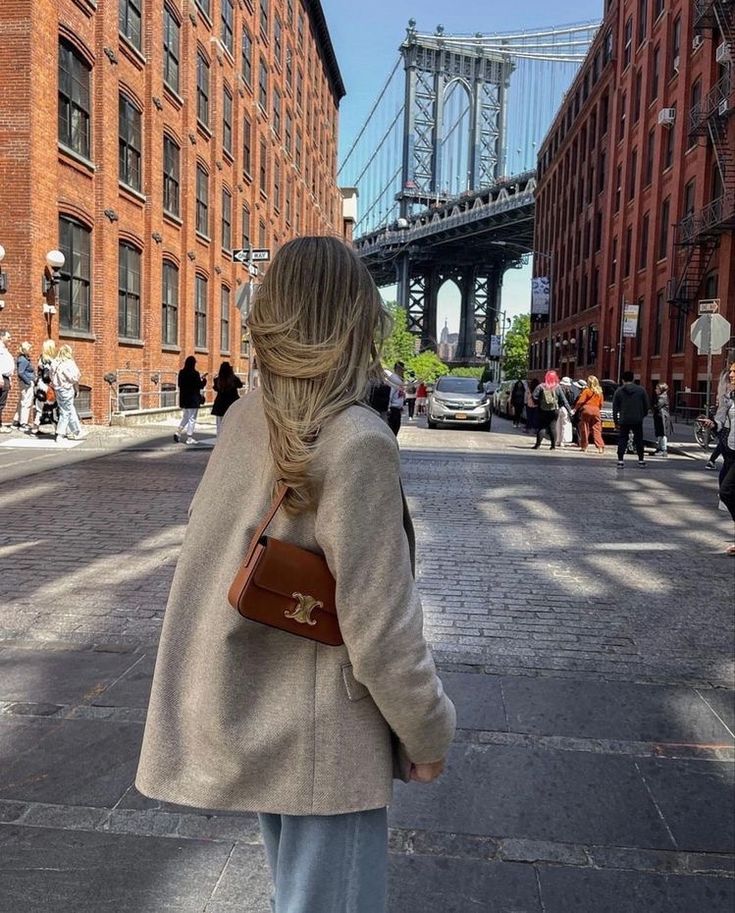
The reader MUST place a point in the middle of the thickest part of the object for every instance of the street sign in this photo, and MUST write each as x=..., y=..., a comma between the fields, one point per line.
x=630, y=320
x=253, y=270
x=709, y=305
x=709, y=333
x=261, y=253
x=241, y=255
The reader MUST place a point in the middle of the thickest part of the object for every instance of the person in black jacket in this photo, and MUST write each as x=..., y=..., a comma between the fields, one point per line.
x=191, y=384
x=630, y=407
x=227, y=386
x=26, y=376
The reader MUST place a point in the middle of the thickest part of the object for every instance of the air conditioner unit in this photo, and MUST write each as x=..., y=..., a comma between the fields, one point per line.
x=667, y=116
x=722, y=54
x=676, y=64
x=697, y=42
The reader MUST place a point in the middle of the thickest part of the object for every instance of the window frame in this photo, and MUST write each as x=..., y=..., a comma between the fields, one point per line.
x=224, y=320
x=74, y=73
x=227, y=25
x=124, y=19
x=226, y=227
x=169, y=305
x=172, y=177
x=129, y=299
x=130, y=155
x=227, y=109
x=75, y=256
x=202, y=201
x=203, y=89
x=201, y=292
x=171, y=27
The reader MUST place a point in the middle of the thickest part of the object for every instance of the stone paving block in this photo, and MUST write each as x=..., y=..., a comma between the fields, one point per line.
x=722, y=702
x=507, y=791
x=424, y=884
x=133, y=689
x=572, y=890
x=58, y=676
x=697, y=799
x=245, y=885
x=610, y=710
x=44, y=869
x=478, y=700
x=74, y=762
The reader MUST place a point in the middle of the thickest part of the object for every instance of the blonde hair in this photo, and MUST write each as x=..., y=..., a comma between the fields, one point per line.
x=317, y=325
x=594, y=385
x=48, y=349
x=24, y=348
x=65, y=354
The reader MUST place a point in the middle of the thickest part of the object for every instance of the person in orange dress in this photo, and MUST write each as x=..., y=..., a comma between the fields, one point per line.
x=588, y=406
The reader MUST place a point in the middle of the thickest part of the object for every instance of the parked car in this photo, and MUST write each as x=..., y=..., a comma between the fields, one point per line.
x=606, y=413
x=501, y=401
x=459, y=401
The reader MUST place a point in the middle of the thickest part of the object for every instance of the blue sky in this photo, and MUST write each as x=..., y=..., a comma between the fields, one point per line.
x=366, y=36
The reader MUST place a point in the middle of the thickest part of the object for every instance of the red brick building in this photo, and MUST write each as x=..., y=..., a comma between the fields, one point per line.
x=636, y=195
x=147, y=139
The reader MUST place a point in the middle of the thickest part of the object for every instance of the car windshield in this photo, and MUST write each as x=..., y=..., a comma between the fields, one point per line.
x=458, y=385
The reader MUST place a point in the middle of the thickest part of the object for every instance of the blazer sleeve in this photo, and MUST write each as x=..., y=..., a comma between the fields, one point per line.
x=359, y=526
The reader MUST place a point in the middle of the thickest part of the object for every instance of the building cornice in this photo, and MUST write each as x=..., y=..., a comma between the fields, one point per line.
x=326, y=48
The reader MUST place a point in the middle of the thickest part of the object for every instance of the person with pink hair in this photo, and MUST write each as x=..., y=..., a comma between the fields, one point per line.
x=550, y=399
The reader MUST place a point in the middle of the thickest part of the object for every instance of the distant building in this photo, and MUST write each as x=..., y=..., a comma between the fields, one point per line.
x=447, y=343
x=147, y=141
x=636, y=194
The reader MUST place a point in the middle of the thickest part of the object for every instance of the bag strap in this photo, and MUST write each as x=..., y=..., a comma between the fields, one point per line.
x=272, y=510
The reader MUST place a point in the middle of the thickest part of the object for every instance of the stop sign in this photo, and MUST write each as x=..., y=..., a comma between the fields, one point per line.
x=709, y=333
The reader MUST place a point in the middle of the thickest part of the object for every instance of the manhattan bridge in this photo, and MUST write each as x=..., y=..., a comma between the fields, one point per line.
x=444, y=166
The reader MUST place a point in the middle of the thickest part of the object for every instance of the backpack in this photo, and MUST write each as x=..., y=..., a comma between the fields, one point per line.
x=547, y=400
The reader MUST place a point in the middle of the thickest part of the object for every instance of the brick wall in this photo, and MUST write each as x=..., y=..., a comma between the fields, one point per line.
x=39, y=179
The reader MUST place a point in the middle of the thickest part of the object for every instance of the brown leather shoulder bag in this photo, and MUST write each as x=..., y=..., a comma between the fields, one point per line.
x=285, y=586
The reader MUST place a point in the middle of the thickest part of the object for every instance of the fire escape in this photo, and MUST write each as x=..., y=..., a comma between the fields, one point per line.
x=697, y=236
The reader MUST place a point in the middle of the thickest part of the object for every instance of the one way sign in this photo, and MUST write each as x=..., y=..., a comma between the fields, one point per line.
x=246, y=254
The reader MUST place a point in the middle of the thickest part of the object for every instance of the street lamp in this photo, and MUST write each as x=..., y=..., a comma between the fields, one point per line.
x=51, y=278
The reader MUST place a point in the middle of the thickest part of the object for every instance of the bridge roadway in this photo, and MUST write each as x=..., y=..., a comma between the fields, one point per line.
x=581, y=619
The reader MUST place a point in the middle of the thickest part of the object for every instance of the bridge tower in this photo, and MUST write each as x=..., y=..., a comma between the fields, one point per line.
x=435, y=67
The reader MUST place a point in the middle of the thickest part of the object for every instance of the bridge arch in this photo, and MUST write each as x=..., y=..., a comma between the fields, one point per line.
x=454, y=171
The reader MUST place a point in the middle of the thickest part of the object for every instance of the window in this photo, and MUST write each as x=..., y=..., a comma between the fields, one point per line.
x=74, y=287
x=675, y=45
x=655, y=70
x=658, y=8
x=694, y=109
x=289, y=68
x=170, y=50
x=227, y=121
x=638, y=330
x=226, y=219
x=205, y=7
x=263, y=86
x=289, y=132
x=129, y=144
x=300, y=29
x=130, y=21
x=650, y=156
x=263, y=167
x=689, y=196
x=297, y=157
x=598, y=231
x=245, y=227
x=247, y=139
x=637, y=96
x=643, y=253
x=614, y=262
x=73, y=100
x=171, y=155
x=618, y=186
x=669, y=145
x=288, y=201
x=202, y=89
x=276, y=186
x=604, y=113
x=680, y=331
x=224, y=320
x=627, y=41
x=621, y=120
x=228, y=21
x=628, y=250
x=289, y=12
x=658, y=325
x=261, y=234
x=632, y=174
x=247, y=58
x=601, y=171
x=264, y=18
x=170, y=306
x=299, y=84
x=663, y=236
x=202, y=201
x=642, y=20
x=276, y=112
x=278, y=41
x=128, y=292
x=200, y=312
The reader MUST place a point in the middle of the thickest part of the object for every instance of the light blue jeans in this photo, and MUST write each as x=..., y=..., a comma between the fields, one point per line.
x=68, y=417
x=328, y=863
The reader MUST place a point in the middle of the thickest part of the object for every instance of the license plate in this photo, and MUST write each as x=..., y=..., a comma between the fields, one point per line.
x=460, y=415
x=608, y=425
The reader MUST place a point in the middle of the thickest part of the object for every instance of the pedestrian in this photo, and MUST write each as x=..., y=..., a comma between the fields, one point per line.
x=722, y=388
x=65, y=376
x=411, y=398
x=587, y=407
x=191, y=383
x=630, y=407
x=564, y=432
x=227, y=386
x=517, y=401
x=421, y=398
x=663, y=427
x=531, y=407
x=250, y=718
x=7, y=369
x=550, y=399
x=44, y=396
x=724, y=422
x=26, y=376
x=397, y=399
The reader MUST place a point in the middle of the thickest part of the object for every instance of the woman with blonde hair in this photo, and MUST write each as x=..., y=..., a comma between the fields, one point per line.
x=249, y=717
x=588, y=406
x=26, y=376
x=44, y=396
x=65, y=375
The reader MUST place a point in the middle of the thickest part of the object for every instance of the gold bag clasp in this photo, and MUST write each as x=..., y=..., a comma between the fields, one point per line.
x=305, y=605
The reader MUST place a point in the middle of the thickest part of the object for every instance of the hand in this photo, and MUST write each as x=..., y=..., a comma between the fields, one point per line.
x=708, y=423
x=425, y=773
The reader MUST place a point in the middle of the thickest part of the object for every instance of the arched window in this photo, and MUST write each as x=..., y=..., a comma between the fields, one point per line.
x=170, y=305
x=128, y=299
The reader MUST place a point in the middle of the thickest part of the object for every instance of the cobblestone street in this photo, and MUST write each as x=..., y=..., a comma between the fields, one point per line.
x=582, y=619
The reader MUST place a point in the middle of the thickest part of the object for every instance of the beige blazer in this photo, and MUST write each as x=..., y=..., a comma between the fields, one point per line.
x=247, y=717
